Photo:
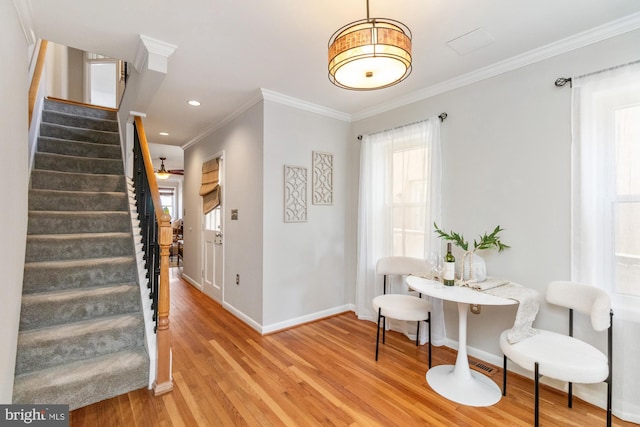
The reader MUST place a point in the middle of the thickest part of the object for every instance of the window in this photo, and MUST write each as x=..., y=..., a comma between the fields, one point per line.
x=606, y=185
x=407, y=199
x=167, y=199
x=626, y=201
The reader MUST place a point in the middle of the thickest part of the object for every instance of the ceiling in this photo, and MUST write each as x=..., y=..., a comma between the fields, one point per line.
x=228, y=49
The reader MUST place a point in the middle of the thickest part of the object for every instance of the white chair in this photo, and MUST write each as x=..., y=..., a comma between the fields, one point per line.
x=401, y=306
x=564, y=357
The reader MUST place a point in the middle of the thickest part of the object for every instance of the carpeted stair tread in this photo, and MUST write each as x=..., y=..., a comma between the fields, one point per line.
x=80, y=110
x=79, y=134
x=78, y=148
x=49, y=247
x=74, y=120
x=73, y=181
x=64, y=163
x=84, y=382
x=61, y=200
x=76, y=305
x=44, y=276
x=55, y=345
x=59, y=222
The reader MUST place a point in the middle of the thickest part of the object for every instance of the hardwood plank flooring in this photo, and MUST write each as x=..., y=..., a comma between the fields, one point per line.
x=321, y=373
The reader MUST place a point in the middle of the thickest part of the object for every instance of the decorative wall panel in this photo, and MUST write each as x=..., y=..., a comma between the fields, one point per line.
x=295, y=194
x=322, y=178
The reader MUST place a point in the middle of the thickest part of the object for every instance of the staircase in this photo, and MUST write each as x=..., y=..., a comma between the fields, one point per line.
x=81, y=336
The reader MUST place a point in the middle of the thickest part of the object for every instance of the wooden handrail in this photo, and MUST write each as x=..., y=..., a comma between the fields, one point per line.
x=164, y=381
x=37, y=75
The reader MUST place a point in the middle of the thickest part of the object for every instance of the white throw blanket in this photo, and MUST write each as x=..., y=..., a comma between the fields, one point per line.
x=529, y=304
x=489, y=283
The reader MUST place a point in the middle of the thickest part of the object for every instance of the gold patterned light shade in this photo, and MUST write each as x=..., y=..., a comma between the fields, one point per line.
x=371, y=53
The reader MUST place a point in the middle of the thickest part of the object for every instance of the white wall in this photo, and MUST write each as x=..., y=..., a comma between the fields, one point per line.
x=305, y=264
x=507, y=160
x=14, y=163
x=289, y=273
x=242, y=143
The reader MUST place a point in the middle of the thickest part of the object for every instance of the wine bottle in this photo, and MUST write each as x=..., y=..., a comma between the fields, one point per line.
x=449, y=267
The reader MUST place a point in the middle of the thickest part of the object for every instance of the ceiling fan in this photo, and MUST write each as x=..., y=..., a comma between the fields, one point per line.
x=162, y=173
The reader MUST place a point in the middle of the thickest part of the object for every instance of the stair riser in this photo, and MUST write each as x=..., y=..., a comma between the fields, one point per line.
x=80, y=110
x=42, y=353
x=42, y=200
x=60, y=118
x=79, y=134
x=47, y=278
x=62, y=163
x=50, y=249
x=76, y=148
x=52, y=180
x=107, y=378
x=65, y=223
x=44, y=313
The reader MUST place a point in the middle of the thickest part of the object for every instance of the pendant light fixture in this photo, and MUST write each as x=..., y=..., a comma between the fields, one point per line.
x=371, y=53
x=162, y=172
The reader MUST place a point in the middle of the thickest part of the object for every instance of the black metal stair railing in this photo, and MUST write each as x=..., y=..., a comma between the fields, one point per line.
x=148, y=225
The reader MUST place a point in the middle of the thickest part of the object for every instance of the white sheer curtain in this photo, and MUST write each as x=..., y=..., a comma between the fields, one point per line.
x=399, y=200
x=606, y=212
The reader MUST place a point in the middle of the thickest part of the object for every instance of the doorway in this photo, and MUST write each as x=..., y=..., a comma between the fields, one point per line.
x=213, y=247
x=105, y=80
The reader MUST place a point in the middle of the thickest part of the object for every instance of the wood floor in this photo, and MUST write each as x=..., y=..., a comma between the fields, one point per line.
x=322, y=373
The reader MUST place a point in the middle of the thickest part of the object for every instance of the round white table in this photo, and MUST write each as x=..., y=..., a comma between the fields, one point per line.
x=458, y=382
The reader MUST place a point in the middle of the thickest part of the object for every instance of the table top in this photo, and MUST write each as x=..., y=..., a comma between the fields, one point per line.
x=461, y=294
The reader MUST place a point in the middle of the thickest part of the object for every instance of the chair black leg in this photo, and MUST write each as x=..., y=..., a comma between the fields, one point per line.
x=536, y=396
x=429, y=326
x=378, y=332
x=609, y=401
x=418, y=334
x=504, y=376
x=570, y=398
x=384, y=329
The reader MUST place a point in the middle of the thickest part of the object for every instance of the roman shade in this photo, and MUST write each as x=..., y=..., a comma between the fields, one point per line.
x=210, y=189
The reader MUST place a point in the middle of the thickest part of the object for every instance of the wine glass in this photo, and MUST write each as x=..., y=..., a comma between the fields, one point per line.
x=437, y=266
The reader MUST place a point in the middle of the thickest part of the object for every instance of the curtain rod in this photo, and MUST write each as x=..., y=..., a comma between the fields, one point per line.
x=561, y=81
x=441, y=116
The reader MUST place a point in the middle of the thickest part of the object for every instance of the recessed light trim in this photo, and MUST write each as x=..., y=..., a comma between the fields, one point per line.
x=164, y=133
x=194, y=103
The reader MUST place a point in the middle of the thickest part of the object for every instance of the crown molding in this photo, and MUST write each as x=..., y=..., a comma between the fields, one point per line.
x=237, y=112
x=155, y=53
x=269, y=95
x=585, y=38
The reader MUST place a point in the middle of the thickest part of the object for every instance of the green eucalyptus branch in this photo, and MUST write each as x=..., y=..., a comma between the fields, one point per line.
x=458, y=239
x=491, y=240
x=487, y=241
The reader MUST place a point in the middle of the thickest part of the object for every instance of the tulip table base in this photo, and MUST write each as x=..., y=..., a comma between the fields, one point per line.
x=476, y=390
x=458, y=382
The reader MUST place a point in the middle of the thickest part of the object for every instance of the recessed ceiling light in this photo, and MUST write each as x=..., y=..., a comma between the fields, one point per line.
x=194, y=103
x=164, y=133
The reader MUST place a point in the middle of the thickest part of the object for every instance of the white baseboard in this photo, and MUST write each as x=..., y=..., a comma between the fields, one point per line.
x=240, y=315
x=274, y=327
x=192, y=282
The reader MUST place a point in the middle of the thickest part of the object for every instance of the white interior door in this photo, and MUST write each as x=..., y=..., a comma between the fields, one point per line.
x=212, y=253
x=104, y=80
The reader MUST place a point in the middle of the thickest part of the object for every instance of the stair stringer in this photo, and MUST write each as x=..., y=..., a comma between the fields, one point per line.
x=150, y=337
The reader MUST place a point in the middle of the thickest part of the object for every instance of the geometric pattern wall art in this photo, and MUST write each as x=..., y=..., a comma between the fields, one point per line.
x=295, y=194
x=322, y=178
